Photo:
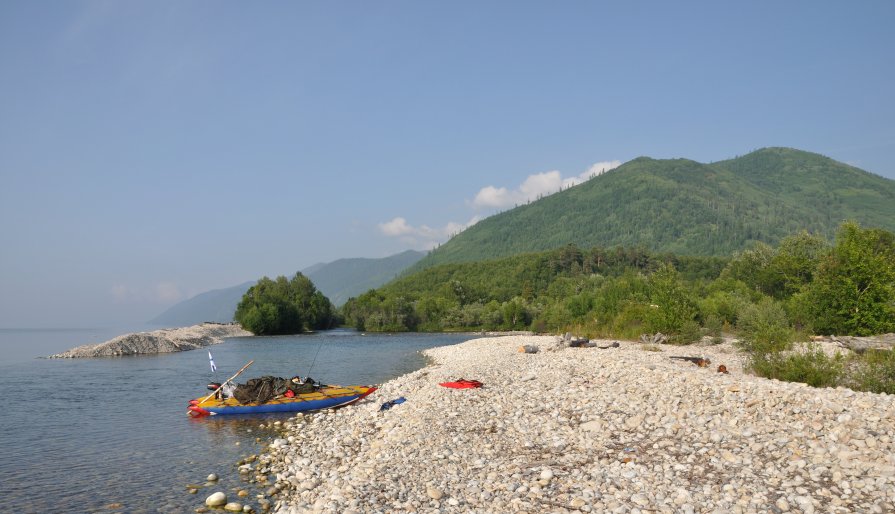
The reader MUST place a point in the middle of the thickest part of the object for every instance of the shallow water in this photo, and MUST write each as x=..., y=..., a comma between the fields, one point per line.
x=114, y=430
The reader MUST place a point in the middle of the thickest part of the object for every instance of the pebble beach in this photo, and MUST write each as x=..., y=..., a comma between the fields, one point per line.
x=621, y=429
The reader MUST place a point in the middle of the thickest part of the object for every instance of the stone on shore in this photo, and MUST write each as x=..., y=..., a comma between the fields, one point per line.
x=216, y=499
x=604, y=429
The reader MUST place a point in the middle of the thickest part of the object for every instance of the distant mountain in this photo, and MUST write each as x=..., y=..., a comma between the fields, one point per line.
x=216, y=305
x=685, y=207
x=338, y=280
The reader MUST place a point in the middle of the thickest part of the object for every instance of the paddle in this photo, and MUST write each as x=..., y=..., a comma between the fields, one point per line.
x=225, y=381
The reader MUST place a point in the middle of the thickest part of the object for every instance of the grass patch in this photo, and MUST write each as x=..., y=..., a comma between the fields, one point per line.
x=812, y=367
x=873, y=370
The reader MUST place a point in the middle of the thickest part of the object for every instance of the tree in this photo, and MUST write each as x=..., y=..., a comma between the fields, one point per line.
x=793, y=264
x=284, y=306
x=853, y=291
x=672, y=305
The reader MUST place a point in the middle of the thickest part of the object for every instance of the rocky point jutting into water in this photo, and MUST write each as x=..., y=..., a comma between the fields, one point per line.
x=609, y=428
x=158, y=341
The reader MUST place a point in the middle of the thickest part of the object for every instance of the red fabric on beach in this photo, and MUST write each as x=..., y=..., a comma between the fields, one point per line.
x=462, y=384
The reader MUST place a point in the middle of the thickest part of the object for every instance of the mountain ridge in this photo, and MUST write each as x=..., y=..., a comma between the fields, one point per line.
x=337, y=280
x=686, y=207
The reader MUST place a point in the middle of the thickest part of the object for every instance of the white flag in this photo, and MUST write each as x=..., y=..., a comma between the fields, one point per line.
x=211, y=361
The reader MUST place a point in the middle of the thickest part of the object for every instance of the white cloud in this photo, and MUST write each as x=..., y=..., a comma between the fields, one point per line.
x=598, y=168
x=396, y=227
x=536, y=186
x=423, y=237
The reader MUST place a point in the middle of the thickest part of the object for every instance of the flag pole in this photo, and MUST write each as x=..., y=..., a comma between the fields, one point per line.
x=225, y=381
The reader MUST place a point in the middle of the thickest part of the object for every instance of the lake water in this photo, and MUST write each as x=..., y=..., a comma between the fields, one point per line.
x=79, y=435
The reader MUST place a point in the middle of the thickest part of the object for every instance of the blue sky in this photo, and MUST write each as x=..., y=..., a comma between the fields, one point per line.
x=150, y=151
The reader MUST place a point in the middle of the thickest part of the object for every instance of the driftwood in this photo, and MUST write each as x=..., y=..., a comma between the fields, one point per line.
x=702, y=362
x=862, y=344
x=581, y=343
x=657, y=338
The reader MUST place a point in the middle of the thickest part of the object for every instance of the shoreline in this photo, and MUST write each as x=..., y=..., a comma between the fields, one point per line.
x=589, y=429
x=164, y=340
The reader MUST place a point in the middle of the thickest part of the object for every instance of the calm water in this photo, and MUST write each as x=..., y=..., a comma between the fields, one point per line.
x=114, y=430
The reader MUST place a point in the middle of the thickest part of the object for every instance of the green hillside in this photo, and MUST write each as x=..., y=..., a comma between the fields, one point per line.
x=341, y=279
x=685, y=207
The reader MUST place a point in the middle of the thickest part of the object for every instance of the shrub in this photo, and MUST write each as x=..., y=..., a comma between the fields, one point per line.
x=813, y=367
x=854, y=285
x=673, y=304
x=873, y=371
x=689, y=332
x=764, y=327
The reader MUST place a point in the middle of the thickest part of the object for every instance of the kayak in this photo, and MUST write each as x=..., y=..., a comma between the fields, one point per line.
x=326, y=397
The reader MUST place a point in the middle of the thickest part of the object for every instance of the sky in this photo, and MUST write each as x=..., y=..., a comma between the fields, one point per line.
x=151, y=151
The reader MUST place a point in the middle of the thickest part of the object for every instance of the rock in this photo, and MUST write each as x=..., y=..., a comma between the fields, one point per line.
x=633, y=422
x=157, y=341
x=577, y=503
x=233, y=507
x=212, y=478
x=592, y=426
x=691, y=445
x=640, y=499
x=216, y=499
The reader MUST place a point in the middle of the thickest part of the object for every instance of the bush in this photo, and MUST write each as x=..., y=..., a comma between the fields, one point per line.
x=764, y=327
x=673, y=305
x=814, y=367
x=689, y=333
x=713, y=328
x=873, y=371
x=854, y=285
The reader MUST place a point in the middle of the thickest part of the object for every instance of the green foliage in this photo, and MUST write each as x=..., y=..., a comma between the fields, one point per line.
x=873, y=371
x=541, y=291
x=769, y=295
x=672, y=305
x=813, y=367
x=685, y=207
x=723, y=306
x=764, y=327
x=284, y=306
x=794, y=263
x=853, y=291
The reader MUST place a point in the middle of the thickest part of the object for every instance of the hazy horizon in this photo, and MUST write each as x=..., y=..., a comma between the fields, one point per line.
x=150, y=152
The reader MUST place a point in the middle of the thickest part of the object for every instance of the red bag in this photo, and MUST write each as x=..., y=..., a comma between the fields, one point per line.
x=462, y=384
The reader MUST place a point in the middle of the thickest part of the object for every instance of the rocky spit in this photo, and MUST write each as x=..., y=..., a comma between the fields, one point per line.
x=619, y=429
x=158, y=341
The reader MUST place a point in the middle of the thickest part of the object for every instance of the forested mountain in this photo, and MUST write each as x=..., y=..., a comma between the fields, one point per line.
x=340, y=280
x=337, y=280
x=685, y=207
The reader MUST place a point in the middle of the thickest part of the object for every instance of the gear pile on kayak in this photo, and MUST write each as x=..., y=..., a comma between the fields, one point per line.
x=274, y=394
